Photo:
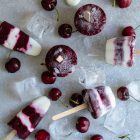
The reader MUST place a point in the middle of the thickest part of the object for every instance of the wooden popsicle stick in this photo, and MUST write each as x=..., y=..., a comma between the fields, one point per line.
x=11, y=135
x=137, y=52
x=69, y=112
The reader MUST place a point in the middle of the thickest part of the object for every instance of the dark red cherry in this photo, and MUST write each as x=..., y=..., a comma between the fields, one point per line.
x=82, y=124
x=49, y=5
x=123, y=93
x=96, y=137
x=84, y=91
x=65, y=30
x=55, y=94
x=76, y=100
x=48, y=78
x=129, y=31
x=42, y=135
x=124, y=3
x=13, y=65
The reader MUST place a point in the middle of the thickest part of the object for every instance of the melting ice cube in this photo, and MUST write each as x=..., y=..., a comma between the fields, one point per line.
x=134, y=89
x=91, y=77
x=26, y=89
x=41, y=24
x=64, y=129
x=115, y=120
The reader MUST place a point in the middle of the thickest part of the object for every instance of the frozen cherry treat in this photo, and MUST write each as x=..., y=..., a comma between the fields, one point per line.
x=90, y=19
x=61, y=60
x=100, y=100
x=27, y=119
x=13, y=38
x=120, y=51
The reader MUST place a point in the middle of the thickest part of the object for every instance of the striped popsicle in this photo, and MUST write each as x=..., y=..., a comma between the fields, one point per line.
x=13, y=38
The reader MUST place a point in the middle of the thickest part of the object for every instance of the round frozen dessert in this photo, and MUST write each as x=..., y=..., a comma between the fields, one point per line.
x=72, y=2
x=61, y=60
x=90, y=19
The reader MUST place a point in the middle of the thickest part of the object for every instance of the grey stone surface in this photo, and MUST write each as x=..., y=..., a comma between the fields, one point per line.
x=90, y=51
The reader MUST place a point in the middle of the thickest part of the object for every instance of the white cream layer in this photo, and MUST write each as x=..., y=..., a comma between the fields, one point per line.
x=110, y=51
x=12, y=38
x=41, y=105
x=25, y=121
x=72, y=2
x=109, y=94
x=33, y=47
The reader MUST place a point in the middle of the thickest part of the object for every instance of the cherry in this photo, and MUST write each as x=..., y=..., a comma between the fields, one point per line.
x=124, y=3
x=49, y=5
x=129, y=31
x=48, y=78
x=13, y=65
x=65, y=30
x=76, y=100
x=42, y=135
x=55, y=94
x=82, y=124
x=123, y=93
x=96, y=137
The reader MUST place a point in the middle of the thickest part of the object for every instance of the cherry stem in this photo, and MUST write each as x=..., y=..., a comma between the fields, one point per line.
x=43, y=64
x=137, y=27
x=75, y=31
x=134, y=98
x=57, y=14
x=10, y=54
x=114, y=3
x=74, y=101
x=125, y=137
x=63, y=104
x=68, y=134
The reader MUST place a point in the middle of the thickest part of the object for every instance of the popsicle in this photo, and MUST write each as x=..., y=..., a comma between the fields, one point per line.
x=13, y=38
x=90, y=19
x=120, y=51
x=99, y=101
x=72, y=2
x=61, y=60
x=26, y=120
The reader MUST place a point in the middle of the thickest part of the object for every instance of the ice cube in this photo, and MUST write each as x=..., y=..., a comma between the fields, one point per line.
x=41, y=24
x=134, y=89
x=133, y=121
x=91, y=77
x=27, y=89
x=116, y=119
x=124, y=119
x=93, y=49
x=64, y=130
